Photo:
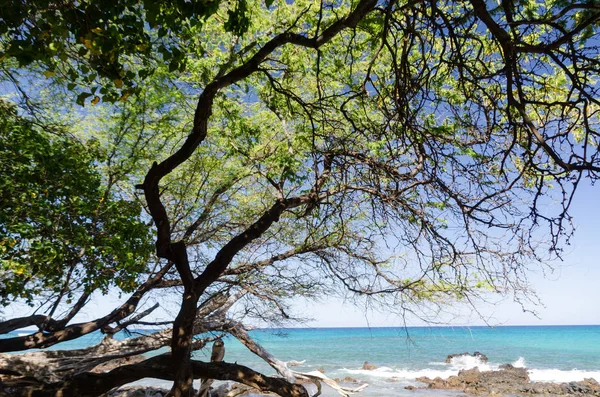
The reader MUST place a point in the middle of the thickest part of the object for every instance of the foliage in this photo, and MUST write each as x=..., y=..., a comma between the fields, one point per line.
x=408, y=152
x=84, y=41
x=61, y=229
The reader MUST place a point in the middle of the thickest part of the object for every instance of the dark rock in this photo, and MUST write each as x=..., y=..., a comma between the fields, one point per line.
x=347, y=379
x=469, y=375
x=506, y=376
x=368, y=366
x=591, y=382
x=506, y=366
x=509, y=381
x=231, y=389
x=423, y=379
x=479, y=355
x=141, y=391
x=579, y=387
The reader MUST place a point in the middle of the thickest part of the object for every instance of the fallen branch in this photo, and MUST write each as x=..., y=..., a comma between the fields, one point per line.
x=94, y=384
x=55, y=365
x=240, y=333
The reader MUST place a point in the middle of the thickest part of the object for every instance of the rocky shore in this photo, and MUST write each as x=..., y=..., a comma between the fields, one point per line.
x=227, y=389
x=507, y=380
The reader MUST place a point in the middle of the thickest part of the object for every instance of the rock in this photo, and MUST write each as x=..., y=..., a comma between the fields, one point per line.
x=437, y=383
x=454, y=382
x=138, y=392
x=507, y=376
x=506, y=366
x=232, y=390
x=321, y=370
x=410, y=387
x=480, y=356
x=593, y=383
x=368, y=367
x=347, y=379
x=509, y=380
x=469, y=375
x=579, y=388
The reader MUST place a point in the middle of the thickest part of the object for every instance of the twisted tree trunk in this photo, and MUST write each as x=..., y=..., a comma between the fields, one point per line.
x=94, y=384
x=54, y=365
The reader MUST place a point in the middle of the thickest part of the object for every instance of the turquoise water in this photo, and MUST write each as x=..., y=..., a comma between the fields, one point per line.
x=551, y=353
x=553, y=347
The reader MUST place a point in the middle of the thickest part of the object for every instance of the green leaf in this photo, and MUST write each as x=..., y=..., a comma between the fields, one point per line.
x=82, y=97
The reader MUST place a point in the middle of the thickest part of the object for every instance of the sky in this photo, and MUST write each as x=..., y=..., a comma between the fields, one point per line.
x=570, y=295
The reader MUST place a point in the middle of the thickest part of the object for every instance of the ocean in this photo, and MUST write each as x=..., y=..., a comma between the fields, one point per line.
x=551, y=353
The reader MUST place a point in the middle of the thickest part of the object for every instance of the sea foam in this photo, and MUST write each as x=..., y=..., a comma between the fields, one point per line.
x=468, y=362
x=557, y=375
x=401, y=374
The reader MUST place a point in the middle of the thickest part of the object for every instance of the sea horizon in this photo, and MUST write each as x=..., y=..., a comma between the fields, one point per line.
x=27, y=329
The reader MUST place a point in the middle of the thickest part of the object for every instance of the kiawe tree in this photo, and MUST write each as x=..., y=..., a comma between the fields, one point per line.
x=63, y=234
x=405, y=151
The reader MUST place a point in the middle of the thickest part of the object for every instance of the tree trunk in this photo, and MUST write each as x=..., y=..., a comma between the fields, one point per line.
x=56, y=365
x=218, y=353
x=92, y=384
x=181, y=346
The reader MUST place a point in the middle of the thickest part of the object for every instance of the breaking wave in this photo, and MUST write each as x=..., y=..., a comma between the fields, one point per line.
x=445, y=370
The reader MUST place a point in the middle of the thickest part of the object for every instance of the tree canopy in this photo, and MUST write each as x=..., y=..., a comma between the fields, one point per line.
x=410, y=152
x=61, y=231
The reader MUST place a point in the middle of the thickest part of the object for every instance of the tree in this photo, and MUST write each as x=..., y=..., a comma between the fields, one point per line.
x=62, y=232
x=326, y=133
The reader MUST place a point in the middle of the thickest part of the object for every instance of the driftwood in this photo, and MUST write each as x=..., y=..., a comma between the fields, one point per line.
x=69, y=372
x=82, y=372
x=240, y=333
x=51, y=366
x=93, y=384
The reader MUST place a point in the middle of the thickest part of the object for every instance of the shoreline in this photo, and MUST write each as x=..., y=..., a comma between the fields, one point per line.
x=505, y=381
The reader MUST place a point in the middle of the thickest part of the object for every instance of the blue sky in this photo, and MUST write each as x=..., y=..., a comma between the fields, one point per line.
x=570, y=295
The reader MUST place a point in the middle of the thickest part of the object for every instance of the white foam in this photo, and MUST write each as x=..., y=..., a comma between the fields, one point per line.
x=452, y=368
x=557, y=375
x=402, y=374
x=469, y=362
